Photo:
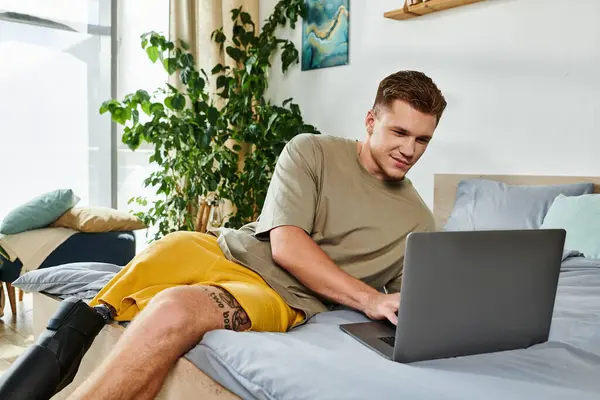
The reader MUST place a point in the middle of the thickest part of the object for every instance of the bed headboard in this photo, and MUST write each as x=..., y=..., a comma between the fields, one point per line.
x=444, y=188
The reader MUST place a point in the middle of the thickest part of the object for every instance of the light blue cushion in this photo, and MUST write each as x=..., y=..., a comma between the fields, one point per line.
x=39, y=212
x=483, y=204
x=580, y=217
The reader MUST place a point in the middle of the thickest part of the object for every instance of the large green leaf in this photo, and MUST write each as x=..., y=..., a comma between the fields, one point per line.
x=221, y=81
x=197, y=84
x=235, y=53
x=121, y=115
x=156, y=108
x=235, y=13
x=213, y=115
x=146, y=105
x=142, y=95
x=246, y=18
x=250, y=63
x=169, y=102
x=217, y=69
x=170, y=65
x=152, y=52
x=178, y=102
x=187, y=60
x=220, y=37
x=108, y=106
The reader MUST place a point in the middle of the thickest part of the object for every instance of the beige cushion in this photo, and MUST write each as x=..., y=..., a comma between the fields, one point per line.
x=98, y=219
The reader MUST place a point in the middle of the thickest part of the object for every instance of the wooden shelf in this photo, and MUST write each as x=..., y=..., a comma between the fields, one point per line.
x=427, y=7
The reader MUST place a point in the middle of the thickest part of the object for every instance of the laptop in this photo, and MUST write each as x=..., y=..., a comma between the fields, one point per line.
x=467, y=293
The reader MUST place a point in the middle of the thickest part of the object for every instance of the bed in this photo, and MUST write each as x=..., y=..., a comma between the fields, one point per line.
x=318, y=361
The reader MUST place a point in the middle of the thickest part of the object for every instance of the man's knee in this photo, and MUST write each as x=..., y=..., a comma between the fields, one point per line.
x=197, y=309
x=177, y=310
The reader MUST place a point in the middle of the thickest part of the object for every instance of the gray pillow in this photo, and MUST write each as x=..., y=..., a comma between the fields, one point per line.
x=483, y=204
x=68, y=279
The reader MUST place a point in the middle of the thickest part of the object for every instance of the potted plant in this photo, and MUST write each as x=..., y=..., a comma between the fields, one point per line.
x=221, y=147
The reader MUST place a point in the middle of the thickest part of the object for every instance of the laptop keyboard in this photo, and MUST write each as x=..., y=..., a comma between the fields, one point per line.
x=388, y=339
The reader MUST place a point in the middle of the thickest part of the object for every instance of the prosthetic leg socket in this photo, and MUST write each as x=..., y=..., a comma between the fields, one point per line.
x=51, y=363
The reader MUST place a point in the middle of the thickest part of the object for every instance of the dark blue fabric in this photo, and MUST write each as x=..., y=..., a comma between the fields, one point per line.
x=9, y=270
x=110, y=247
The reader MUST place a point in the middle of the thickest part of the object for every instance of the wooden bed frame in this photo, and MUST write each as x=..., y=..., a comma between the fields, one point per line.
x=186, y=381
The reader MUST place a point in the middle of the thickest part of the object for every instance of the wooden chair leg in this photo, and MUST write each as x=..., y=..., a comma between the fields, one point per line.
x=20, y=294
x=2, y=299
x=11, y=297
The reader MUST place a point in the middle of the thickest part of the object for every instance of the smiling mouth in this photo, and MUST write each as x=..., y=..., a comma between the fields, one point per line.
x=400, y=163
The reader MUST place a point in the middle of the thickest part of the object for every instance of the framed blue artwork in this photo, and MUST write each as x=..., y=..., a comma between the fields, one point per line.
x=325, y=34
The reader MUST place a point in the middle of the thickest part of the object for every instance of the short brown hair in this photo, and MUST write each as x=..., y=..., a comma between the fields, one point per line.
x=413, y=87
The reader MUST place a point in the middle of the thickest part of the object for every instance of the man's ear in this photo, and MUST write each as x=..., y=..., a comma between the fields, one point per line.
x=370, y=121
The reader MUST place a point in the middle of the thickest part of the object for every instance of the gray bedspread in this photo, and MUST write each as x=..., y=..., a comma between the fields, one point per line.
x=318, y=361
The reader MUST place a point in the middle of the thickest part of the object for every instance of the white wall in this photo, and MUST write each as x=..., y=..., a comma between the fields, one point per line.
x=521, y=78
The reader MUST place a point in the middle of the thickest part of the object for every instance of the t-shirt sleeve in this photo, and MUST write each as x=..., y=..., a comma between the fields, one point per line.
x=293, y=192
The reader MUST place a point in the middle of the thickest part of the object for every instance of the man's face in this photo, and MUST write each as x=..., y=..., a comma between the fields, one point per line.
x=398, y=137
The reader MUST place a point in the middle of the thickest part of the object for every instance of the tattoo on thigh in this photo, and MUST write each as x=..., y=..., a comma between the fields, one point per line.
x=234, y=316
x=228, y=299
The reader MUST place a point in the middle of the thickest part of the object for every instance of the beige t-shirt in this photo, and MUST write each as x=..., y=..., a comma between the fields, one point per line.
x=359, y=221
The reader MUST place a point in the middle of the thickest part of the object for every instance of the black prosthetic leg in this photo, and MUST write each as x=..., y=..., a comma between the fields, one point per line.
x=51, y=363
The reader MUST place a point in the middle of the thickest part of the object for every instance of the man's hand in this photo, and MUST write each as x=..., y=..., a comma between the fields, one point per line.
x=381, y=306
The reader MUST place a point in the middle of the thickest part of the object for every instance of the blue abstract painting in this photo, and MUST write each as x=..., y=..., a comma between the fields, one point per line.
x=325, y=33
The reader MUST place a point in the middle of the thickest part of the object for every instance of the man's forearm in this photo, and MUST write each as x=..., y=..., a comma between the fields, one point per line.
x=297, y=253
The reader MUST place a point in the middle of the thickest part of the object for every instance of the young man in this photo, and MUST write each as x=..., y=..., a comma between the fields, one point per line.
x=332, y=231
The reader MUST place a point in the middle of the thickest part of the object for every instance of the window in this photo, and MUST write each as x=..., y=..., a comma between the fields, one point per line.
x=136, y=71
x=56, y=72
x=61, y=60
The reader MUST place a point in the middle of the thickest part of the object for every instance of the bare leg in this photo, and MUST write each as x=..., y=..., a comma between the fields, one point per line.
x=172, y=323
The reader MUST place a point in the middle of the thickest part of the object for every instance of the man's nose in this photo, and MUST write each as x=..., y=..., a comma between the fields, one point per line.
x=407, y=148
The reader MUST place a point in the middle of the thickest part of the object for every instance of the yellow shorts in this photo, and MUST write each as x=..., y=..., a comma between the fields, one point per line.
x=192, y=258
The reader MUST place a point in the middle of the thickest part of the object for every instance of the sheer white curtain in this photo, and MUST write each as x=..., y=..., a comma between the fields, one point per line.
x=55, y=74
x=194, y=21
x=136, y=71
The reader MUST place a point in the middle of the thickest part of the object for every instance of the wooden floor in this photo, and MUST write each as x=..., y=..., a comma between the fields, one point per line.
x=16, y=331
